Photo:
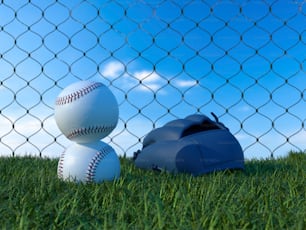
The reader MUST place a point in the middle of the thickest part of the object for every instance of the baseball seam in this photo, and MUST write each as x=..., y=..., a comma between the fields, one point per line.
x=89, y=130
x=60, y=166
x=78, y=94
x=93, y=164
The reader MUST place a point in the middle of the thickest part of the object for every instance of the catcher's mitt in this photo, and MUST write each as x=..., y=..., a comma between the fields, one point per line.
x=195, y=145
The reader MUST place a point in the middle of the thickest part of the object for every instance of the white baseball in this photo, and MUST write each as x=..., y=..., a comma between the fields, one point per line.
x=91, y=162
x=86, y=111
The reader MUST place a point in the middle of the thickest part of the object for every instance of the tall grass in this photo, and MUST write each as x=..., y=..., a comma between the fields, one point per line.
x=269, y=194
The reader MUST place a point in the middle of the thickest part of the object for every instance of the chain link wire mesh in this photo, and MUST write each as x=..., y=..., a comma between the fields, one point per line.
x=163, y=59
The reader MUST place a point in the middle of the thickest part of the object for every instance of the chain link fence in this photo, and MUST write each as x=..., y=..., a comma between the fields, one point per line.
x=163, y=59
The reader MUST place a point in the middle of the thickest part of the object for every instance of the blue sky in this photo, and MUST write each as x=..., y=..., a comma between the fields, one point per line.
x=163, y=60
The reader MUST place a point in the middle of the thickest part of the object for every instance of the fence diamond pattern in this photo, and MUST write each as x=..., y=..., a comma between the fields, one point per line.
x=163, y=59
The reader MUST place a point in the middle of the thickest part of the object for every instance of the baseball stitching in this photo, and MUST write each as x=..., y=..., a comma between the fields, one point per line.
x=78, y=94
x=89, y=130
x=60, y=166
x=93, y=164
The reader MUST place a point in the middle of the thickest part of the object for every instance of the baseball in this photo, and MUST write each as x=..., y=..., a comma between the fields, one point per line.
x=86, y=111
x=91, y=162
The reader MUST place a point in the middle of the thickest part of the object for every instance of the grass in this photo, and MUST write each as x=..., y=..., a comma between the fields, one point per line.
x=269, y=194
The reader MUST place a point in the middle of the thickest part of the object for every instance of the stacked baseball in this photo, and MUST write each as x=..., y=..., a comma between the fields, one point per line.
x=86, y=112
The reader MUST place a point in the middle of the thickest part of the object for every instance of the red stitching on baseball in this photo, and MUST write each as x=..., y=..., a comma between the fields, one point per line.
x=89, y=130
x=60, y=166
x=78, y=94
x=92, y=166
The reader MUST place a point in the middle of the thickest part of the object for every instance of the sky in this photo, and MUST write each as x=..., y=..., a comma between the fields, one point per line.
x=163, y=60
